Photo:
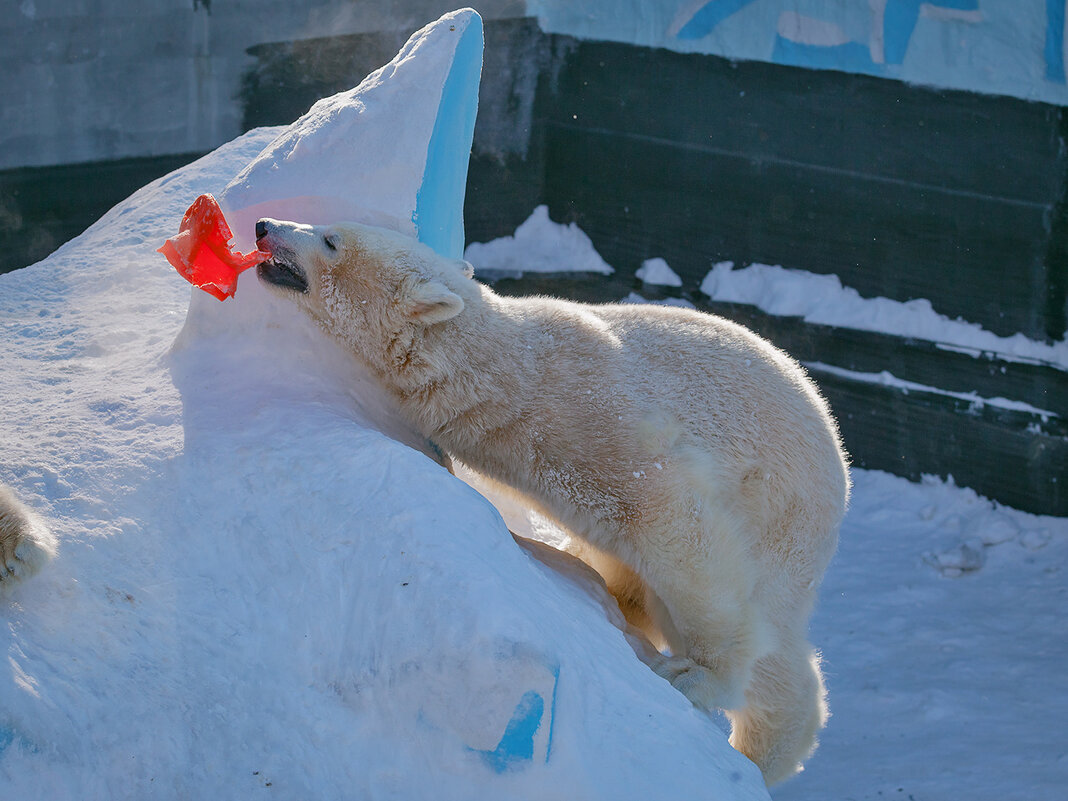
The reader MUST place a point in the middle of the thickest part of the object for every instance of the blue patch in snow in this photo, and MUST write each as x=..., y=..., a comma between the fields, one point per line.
x=10, y=736
x=552, y=713
x=516, y=747
x=439, y=205
x=517, y=744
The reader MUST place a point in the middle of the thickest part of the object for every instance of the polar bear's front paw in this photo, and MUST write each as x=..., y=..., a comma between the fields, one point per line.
x=701, y=685
x=26, y=543
x=25, y=559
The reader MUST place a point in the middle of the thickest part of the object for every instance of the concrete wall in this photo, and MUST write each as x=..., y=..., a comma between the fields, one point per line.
x=95, y=80
x=99, y=80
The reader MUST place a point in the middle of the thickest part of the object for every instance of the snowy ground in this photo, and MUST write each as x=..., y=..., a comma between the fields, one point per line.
x=942, y=687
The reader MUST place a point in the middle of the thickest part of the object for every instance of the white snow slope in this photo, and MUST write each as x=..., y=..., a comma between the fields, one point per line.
x=258, y=590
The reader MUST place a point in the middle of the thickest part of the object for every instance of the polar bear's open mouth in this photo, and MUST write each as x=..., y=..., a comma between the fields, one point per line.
x=282, y=273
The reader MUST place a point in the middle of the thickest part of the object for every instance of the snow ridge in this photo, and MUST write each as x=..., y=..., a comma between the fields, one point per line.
x=823, y=299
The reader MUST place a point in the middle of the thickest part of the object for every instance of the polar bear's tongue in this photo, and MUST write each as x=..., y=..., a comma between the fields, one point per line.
x=201, y=251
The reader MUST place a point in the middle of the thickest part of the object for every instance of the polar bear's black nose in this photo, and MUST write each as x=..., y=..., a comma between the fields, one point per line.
x=261, y=229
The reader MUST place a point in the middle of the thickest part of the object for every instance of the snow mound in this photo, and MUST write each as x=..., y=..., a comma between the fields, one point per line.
x=405, y=131
x=538, y=246
x=260, y=585
x=657, y=271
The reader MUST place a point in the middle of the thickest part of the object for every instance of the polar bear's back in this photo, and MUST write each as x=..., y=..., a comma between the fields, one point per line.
x=735, y=385
x=762, y=432
x=638, y=381
x=725, y=381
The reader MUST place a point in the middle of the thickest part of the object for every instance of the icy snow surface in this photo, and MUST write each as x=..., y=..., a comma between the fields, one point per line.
x=412, y=119
x=823, y=299
x=634, y=297
x=538, y=246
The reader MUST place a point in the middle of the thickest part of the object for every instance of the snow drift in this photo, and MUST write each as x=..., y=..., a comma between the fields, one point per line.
x=259, y=583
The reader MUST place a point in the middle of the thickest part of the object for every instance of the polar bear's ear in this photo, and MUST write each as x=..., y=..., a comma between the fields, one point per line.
x=468, y=269
x=432, y=302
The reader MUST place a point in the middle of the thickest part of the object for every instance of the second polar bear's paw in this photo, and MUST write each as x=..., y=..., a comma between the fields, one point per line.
x=26, y=543
x=26, y=559
x=699, y=684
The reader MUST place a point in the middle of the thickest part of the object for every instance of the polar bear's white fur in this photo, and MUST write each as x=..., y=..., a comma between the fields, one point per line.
x=697, y=461
x=26, y=543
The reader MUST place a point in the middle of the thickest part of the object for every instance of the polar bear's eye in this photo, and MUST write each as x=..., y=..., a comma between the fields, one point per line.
x=331, y=242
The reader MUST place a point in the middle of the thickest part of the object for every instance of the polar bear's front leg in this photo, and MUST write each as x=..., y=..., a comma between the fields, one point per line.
x=26, y=543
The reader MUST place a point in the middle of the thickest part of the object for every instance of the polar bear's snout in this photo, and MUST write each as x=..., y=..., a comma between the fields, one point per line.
x=282, y=269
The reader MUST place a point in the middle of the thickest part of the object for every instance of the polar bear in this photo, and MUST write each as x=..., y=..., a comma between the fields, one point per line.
x=26, y=543
x=699, y=464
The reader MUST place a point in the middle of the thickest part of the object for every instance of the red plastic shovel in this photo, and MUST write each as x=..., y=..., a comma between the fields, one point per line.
x=201, y=251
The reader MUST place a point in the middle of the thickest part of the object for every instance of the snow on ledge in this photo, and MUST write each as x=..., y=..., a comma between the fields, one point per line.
x=657, y=271
x=823, y=299
x=888, y=379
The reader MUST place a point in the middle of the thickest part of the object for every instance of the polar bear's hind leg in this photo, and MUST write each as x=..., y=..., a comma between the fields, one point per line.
x=784, y=711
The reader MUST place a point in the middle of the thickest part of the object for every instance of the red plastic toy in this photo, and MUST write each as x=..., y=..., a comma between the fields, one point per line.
x=202, y=254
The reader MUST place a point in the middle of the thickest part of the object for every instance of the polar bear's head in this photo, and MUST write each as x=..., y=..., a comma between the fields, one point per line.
x=369, y=287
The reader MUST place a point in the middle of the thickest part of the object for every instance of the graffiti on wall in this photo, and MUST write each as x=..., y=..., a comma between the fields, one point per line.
x=1054, y=52
x=820, y=42
x=1014, y=47
x=812, y=41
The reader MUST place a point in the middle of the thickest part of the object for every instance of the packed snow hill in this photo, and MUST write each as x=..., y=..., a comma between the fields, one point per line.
x=266, y=582
x=260, y=582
